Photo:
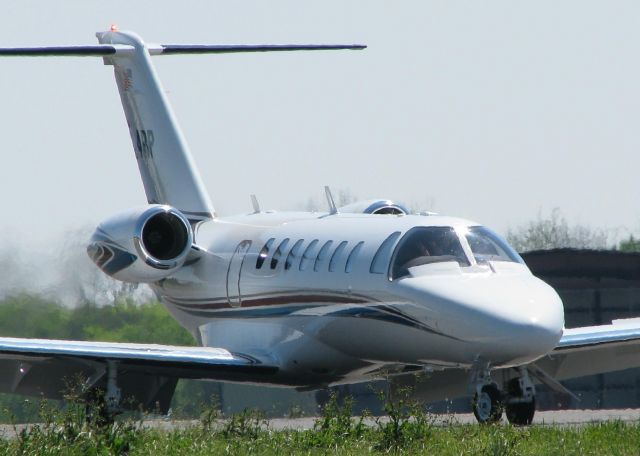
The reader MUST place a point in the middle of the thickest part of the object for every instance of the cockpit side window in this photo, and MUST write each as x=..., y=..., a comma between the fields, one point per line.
x=488, y=246
x=426, y=245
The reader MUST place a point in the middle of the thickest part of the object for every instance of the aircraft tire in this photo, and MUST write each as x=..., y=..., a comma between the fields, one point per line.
x=487, y=405
x=521, y=413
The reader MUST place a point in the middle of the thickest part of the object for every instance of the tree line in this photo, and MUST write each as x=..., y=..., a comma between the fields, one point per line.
x=33, y=316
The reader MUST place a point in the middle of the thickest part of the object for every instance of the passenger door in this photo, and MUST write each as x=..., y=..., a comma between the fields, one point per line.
x=233, y=274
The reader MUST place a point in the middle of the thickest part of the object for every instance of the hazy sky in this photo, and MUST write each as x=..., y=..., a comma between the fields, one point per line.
x=486, y=110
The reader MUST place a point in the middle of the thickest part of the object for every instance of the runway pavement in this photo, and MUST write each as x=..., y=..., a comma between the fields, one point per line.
x=552, y=418
x=556, y=417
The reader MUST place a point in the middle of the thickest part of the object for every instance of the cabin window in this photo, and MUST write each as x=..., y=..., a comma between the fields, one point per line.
x=308, y=256
x=426, y=245
x=380, y=263
x=335, y=258
x=352, y=257
x=489, y=246
x=264, y=253
x=278, y=253
x=322, y=255
x=294, y=254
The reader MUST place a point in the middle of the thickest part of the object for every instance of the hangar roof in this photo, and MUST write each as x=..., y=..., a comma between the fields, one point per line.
x=579, y=263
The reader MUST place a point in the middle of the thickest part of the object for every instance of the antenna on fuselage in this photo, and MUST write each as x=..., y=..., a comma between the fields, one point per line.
x=332, y=205
x=256, y=204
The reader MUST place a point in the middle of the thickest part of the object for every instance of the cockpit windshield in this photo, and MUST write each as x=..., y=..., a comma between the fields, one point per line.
x=488, y=246
x=425, y=245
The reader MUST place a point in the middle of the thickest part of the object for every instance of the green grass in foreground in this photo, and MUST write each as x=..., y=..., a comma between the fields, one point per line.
x=407, y=430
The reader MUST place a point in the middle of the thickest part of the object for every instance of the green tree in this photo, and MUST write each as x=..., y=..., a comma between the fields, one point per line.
x=32, y=316
x=555, y=232
x=629, y=245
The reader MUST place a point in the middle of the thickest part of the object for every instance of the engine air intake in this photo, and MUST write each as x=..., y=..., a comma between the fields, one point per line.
x=165, y=236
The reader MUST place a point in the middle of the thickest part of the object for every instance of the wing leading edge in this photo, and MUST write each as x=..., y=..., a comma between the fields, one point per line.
x=624, y=331
x=594, y=350
x=144, y=374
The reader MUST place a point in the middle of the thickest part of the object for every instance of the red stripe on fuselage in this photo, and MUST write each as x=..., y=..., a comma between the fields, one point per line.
x=275, y=300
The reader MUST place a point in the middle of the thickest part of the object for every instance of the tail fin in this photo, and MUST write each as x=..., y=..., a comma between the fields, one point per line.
x=168, y=172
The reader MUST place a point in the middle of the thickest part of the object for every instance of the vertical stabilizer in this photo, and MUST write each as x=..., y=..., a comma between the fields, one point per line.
x=167, y=169
x=168, y=172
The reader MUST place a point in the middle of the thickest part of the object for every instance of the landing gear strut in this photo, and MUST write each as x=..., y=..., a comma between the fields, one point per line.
x=520, y=399
x=103, y=406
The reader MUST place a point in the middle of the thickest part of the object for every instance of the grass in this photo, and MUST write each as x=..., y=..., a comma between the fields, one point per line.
x=594, y=439
x=407, y=429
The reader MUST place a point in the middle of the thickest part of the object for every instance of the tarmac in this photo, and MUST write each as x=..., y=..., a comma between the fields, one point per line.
x=544, y=418
x=551, y=418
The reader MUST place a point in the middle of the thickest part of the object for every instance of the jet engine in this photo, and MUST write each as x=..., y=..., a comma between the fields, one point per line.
x=375, y=207
x=142, y=245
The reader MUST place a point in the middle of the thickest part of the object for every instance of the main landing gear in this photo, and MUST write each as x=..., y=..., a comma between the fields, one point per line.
x=518, y=399
x=102, y=406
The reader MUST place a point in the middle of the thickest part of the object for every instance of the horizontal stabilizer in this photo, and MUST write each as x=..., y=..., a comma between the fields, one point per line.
x=105, y=50
x=232, y=48
x=100, y=50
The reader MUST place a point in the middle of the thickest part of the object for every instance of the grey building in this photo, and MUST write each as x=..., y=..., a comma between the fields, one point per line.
x=596, y=287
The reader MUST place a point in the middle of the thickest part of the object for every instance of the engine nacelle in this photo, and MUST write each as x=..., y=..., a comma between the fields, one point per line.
x=142, y=245
x=375, y=207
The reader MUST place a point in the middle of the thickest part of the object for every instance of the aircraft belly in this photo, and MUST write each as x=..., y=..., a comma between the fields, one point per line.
x=329, y=348
x=390, y=342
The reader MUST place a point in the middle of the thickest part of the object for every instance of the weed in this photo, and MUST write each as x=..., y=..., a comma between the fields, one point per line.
x=210, y=416
x=295, y=411
x=406, y=420
x=245, y=425
x=503, y=440
x=336, y=422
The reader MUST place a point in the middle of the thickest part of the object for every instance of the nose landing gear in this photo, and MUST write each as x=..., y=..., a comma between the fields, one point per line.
x=487, y=404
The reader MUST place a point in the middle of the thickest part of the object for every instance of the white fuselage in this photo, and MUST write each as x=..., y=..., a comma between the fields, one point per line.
x=319, y=299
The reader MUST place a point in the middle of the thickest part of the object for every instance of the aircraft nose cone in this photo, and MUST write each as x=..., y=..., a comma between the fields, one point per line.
x=525, y=322
x=507, y=319
x=539, y=325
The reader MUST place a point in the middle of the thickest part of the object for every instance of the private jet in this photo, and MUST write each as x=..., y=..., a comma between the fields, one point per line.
x=307, y=300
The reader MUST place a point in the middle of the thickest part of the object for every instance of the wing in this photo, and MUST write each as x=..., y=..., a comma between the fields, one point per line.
x=145, y=374
x=594, y=350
